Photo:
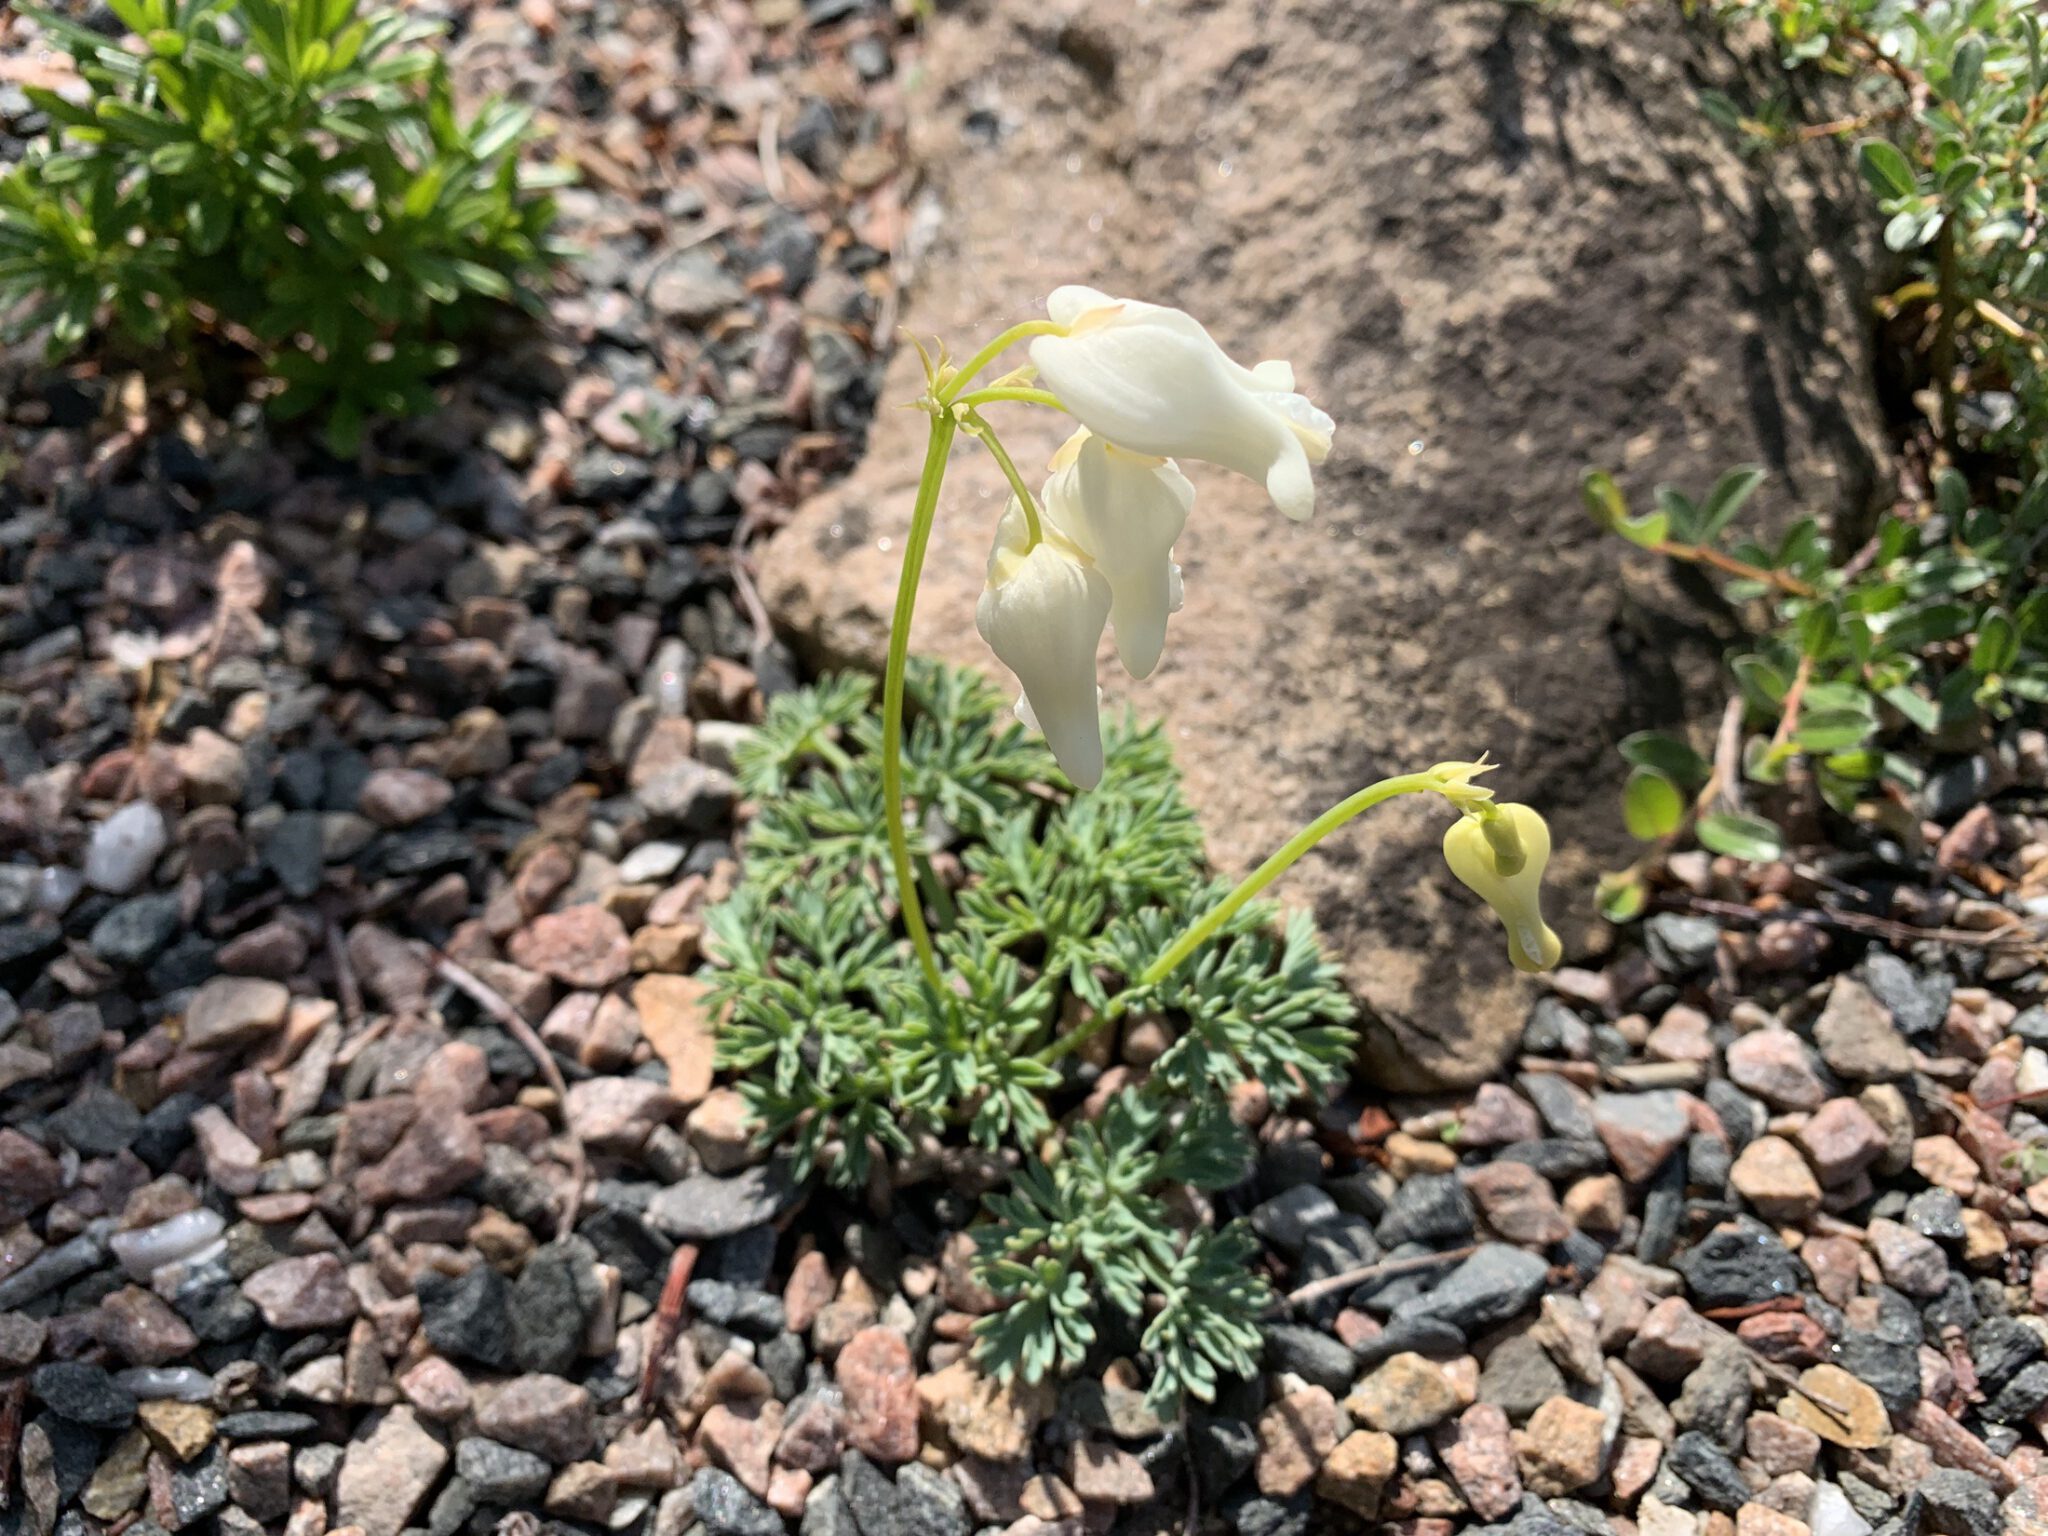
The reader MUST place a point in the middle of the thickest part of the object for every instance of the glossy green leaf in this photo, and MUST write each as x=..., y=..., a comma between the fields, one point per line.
x=1927, y=625
x=1916, y=707
x=1666, y=755
x=1863, y=764
x=1998, y=644
x=1817, y=627
x=1764, y=759
x=1652, y=806
x=1725, y=500
x=1960, y=177
x=1833, y=730
x=1763, y=685
x=1741, y=836
x=1911, y=229
x=1886, y=168
x=1603, y=499
x=1621, y=898
x=1966, y=70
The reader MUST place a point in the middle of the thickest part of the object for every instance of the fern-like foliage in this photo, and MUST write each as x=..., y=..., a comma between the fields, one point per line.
x=1046, y=905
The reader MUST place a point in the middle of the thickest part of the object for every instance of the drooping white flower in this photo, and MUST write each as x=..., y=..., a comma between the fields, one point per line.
x=1042, y=612
x=1124, y=510
x=1499, y=854
x=1152, y=380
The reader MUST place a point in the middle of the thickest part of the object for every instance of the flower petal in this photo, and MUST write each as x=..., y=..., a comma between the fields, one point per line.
x=1067, y=304
x=1042, y=613
x=1124, y=510
x=1152, y=380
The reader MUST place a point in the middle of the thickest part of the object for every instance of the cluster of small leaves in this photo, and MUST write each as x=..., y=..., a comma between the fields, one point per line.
x=287, y=181
x=1866, y=654
x=1937, y=628
x=1954, y=96
x=1091, y=1230
x=1046, y=907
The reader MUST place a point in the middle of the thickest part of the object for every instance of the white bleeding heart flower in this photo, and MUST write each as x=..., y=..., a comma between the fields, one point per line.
x=1152, y=380
x=1042, y=612
x=1124, y=510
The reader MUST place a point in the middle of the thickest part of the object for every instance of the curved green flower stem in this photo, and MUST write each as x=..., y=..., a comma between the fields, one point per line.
x=997, y=392
x=992, y=351
x=978, y=425
x=1278, y=864
x=1204, y=928
x=914, y=545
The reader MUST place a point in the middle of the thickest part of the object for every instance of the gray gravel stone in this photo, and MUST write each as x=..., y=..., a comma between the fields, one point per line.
x=1495, y=1284
x=1740, y=1266
x=1311, y=1354
x=725, y=1508
x=705, y=1207
x=1706, y=1469
x=1286, y=1220
x=1679, y=943
x=1429, y=1208
x=1959, y=1503
x=499, y=1473
x=84, y=1394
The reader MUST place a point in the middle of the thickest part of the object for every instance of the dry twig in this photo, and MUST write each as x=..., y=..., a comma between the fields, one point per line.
x=668, y=1323
x=492, y=1002
x=2018, y=936
x=1315, y=1290
x=771, y=157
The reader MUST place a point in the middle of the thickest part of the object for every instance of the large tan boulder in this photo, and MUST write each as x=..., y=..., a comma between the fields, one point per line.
x=1498, y=247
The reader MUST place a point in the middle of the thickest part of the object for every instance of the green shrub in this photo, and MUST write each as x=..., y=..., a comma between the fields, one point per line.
x=286, y=179
x=1866, y=654
x=1951, y=106
x=1059, y=899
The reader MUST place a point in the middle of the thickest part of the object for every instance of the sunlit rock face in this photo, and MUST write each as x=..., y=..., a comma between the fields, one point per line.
x=1497, y=247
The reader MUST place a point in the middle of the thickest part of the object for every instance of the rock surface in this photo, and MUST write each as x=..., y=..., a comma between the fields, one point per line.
x=1498, y=247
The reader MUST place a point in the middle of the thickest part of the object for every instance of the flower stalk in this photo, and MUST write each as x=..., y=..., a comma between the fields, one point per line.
x=1000, y=392
x=1288, y=855
x=995, y=349
x=915, y=543
x=977, y=426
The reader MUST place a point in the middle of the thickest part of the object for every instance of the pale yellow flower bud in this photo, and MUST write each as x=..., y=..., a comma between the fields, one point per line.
x=1514, y=889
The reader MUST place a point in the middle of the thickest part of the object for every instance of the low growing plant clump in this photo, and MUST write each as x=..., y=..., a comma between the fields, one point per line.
x=1040, y=899
x=1872, y=650
x=285, y=185
x=1062, y=897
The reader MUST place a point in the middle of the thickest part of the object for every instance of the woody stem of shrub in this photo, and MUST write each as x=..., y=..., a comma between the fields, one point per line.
x=914, y=545
x=1721, y=560
x=1944, y=360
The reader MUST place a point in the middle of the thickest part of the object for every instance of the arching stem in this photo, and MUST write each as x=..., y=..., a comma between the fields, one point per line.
x=992, y=351
x=1290, y=852
x=914, y=545
x=1204, y=928
x=978, y=425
